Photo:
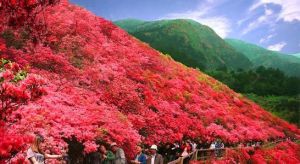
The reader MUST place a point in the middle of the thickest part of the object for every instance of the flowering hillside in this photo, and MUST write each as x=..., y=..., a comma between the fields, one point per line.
x=285, y=152
x=94, y=81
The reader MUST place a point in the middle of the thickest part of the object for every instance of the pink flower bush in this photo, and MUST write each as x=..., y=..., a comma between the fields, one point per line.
x=284, y=152
x=89, y=80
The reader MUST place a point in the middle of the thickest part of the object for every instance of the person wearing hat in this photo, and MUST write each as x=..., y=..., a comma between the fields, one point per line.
x=119, y=154
x=154, y=157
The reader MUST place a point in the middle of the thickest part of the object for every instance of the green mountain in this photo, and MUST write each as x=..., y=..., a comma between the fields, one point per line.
x=297, y=55
x=188, y=42
x=259, y=56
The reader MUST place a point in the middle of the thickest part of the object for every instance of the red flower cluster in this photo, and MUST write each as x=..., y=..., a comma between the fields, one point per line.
x=21, y=12
x=284, y=152
x=103, y=84
x=11, y=144
x=16, y=88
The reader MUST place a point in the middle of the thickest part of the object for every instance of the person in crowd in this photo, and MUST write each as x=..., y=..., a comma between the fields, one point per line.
x=202, y=145
x=107, y=157
x=194, y=146
x=176, y=150
x=93, y=158
x=248, y=144
x=65, y=158
x=163, y=150
x=212, y=145
x=147, y=152
x=186, y=149
x=241, y=145
x=140, y=158
x=191, y=144
x=36, y=155
x=206, y=145
x=168, y=153
x=257, y=144
x=218, y=146
x=119, y=154
x=154, y=157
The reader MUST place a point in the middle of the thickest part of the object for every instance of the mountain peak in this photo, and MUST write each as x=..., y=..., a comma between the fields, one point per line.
x=260, y=56
x=196, y=45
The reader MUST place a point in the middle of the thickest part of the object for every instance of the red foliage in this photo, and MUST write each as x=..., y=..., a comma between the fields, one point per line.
x=11, y=144
x=284, y=152
x=16, y=89
x=103, y=84
x=20, y=10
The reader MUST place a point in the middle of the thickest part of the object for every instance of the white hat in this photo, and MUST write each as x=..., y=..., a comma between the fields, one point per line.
x=153, y=147
x=113, y=144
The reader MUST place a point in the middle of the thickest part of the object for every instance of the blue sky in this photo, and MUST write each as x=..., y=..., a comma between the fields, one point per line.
x=273, y=24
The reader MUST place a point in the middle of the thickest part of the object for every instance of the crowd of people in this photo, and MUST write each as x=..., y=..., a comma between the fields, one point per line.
x=114, y=154
x=117, y=156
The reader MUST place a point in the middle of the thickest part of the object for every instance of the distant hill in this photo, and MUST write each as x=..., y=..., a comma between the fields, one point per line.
x=262, y=57
x=297, y=55
x=188, y=42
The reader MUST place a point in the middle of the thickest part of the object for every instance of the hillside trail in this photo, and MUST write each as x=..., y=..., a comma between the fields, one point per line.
x=206, y=155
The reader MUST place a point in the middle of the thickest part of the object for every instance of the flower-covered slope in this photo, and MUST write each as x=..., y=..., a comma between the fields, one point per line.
x=283, y=152
x=103, y=84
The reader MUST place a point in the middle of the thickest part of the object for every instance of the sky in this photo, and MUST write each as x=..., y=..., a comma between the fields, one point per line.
x=272, y=24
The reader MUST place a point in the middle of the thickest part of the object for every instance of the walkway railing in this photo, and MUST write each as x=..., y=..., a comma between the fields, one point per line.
x=190, y=156
x=206, y=154
x=200, y=154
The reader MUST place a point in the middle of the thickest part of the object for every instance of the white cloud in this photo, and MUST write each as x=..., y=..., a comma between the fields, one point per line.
x=220, y=24
x=289, y=12
x=265, y=19
x=240, y=22
x=277, y=47
x=261, y=40
x=290, y=9
x=268, y=11
x=255, y=6
x=255, y=24
x=267, y=38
